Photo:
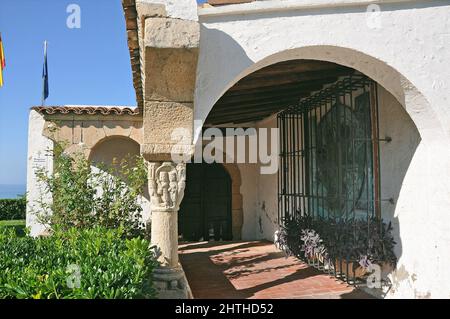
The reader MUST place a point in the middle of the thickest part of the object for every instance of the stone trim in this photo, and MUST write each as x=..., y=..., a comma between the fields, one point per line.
x=237, y=211
x=84, y=135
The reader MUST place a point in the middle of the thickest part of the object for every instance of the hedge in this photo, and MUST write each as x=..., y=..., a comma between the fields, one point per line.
x=17, y=225
x=96, y=263
x=13, y=209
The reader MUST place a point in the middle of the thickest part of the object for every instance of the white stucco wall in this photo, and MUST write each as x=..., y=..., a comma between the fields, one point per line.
x=267, y=201
x=249, y=191
x=38, y=148
x=401, y=45
x=409, y=60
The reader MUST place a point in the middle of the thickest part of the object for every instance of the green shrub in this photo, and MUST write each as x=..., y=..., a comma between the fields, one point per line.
x=17, y=225
x=83, y=197
x=11, y=209
x=350, y=239
x=47, y=267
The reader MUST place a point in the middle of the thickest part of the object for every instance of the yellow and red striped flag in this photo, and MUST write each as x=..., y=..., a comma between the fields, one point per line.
x=2, y=61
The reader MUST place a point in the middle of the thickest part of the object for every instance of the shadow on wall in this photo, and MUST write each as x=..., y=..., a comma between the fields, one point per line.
x=395, y=158
x=212, y=47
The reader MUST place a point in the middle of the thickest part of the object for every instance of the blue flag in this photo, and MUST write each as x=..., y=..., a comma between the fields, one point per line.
x=45, y=75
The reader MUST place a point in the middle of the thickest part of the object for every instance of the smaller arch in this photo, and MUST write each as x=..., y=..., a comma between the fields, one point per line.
x=110, y=147
x=237, y=211
x=119, y=147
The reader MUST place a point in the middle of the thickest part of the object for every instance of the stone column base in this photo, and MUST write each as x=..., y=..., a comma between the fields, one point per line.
x=171, y=283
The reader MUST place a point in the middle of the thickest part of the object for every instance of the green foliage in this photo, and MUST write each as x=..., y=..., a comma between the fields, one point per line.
x=12, y=209
x=109, y=266
x=17, y=225
x=353, y=239
x=85, y=197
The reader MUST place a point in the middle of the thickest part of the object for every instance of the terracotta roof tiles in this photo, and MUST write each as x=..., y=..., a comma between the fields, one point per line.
x=88, y=110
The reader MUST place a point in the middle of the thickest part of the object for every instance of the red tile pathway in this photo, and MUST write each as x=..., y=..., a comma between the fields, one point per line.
x=255, y=270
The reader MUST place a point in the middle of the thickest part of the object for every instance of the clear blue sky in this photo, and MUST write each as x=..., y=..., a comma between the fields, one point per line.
x=90, y=65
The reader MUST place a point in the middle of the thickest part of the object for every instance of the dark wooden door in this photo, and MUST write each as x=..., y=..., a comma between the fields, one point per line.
x=205, y=212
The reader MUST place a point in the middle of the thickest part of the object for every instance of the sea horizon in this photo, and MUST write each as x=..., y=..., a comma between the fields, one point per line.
x=11, y=191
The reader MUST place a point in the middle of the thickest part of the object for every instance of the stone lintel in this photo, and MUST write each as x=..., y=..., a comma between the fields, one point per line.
x=166, y=125
x=170, y=59
x=162, y=152
x=170, y=74
x=150, y=10
x=169, y=33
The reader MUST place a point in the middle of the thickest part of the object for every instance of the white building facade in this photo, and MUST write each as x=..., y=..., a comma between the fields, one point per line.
x=242, y=65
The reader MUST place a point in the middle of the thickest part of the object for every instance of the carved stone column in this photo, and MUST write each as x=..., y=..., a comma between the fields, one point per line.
x=166, y=182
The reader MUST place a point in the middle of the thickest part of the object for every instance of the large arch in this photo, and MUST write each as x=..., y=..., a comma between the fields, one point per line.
x=425, y=116
x=422, y=195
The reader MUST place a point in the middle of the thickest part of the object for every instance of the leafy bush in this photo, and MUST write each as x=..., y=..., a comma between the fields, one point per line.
x=357, y=241
x=13, y=209
x=17, y=225
x=47, y=267
x=83, y=197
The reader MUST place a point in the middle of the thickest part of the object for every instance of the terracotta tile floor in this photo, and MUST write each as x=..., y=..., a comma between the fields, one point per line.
x=255, y=270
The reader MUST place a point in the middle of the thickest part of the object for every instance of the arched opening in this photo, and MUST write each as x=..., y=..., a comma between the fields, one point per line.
x=347, y=143
x=206, y=210
x=413, y=165
x=114, y=149
x=111, y=151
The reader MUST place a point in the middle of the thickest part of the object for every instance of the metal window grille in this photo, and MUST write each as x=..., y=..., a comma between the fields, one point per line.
x=329, y=156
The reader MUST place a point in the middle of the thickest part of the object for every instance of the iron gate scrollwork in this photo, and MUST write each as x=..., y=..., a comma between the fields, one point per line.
x=329, y=157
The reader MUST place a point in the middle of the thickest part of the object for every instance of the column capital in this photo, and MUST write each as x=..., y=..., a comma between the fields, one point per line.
x=166, y=184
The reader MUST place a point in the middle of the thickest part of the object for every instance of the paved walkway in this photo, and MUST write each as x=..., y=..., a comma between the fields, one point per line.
x=255, y=270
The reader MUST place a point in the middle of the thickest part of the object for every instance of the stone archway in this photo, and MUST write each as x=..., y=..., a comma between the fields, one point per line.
x=112, y=147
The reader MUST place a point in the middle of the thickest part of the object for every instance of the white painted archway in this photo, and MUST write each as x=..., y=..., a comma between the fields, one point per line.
x=393, y=58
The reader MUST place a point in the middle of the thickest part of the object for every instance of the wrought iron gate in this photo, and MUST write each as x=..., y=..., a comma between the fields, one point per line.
x=329, y=156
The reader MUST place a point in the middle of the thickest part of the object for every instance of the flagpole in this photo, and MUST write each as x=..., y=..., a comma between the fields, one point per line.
x=43, y=77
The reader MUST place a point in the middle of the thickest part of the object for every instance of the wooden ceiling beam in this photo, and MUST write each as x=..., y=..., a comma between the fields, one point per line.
x=273, y=89
x=269, y=108
x=310, y=85
x=243, y=106
x=303, y=66
x=267, y=95
x=259, y=101
x=236, y=120
x=250, y=83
